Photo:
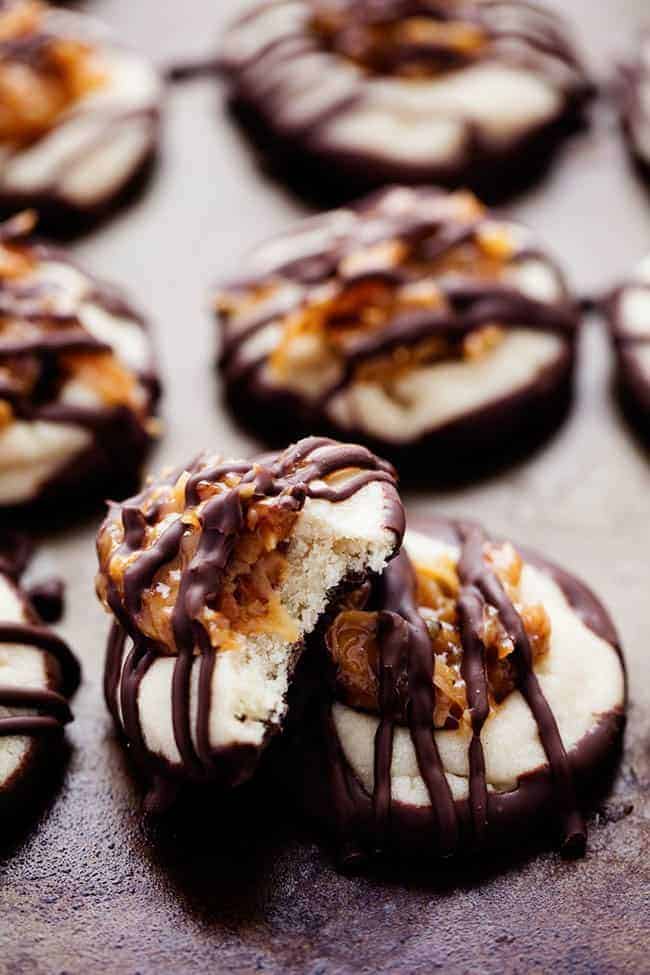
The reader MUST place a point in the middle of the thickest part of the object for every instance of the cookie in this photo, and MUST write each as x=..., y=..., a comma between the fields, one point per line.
x=476, y=692
x=77, y=379
x=38, y=673
x=415, y=321
x=215, y=574
x=80, y=115
x=346, y=96
x=628, y=312
x=634, y=103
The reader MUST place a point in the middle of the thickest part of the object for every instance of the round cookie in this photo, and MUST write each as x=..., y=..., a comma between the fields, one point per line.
x=215, y=574
x=80, y=115
x=414, y=321
x=77, y=378
x=475, y=694
x=628, y=310
x=634, y=103
x=348, y=95
x=37, y=674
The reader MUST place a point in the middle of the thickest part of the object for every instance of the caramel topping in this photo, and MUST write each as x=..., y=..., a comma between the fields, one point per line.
x=417, y=46
x=104, y=374
x=352, y=639
x=41, y=76
x=247, y=602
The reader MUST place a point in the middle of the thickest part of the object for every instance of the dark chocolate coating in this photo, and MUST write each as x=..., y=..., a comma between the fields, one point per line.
x=110, y=464
x=290, y=478
x=519, y=35
x=483, y=437
x=546, y=797
x=632, y=384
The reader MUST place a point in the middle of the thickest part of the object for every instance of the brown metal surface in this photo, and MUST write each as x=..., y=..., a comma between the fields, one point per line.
x=234, y=886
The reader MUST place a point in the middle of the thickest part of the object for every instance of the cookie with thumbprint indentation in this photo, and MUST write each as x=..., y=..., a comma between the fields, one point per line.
x=79, y=115
x=77, y=379
x=415, y=321
x=38, y=673
x=476, y=696
x=348, y=95
x=215, y=574
x=628, y=311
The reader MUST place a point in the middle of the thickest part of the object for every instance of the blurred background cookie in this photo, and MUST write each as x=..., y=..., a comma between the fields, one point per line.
x=79, y=115
x=346, y=96
x=414, y=321
x=634, y=102
x=78, y=382
x=628, y=311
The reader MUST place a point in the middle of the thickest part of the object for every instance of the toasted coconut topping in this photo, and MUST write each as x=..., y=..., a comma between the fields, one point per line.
x=352, y=638
x=414, y=40
x=42, y=75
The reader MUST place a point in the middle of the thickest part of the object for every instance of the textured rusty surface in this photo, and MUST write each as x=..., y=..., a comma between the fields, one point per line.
x=233, y=886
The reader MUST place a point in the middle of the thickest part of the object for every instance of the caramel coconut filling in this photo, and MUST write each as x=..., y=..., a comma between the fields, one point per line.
x=352, y=639
x=42, y=76
x=418, y=46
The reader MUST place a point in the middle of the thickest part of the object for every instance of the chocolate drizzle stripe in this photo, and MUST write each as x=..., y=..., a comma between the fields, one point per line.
x=141, y=573
x=471, y=606
x=290, y=477
x=406, y=639
x=28, y=725
x=40, y=637
x=54, y=705
x=52, y=708
x=473, y=571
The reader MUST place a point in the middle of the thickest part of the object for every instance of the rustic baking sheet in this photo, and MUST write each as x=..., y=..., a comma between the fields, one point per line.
x=234, y=885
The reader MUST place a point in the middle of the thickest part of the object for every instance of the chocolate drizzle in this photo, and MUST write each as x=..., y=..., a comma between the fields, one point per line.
x=407, y=696
x=290, y=478
x=51, y=708
x=470, y=303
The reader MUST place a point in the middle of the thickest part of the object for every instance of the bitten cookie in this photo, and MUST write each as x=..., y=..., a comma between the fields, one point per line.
x=475, y=692
x=79, y=116
x=634, y=103
x=77, y=378
x=628, y=311
x=357, y=94
x=38, y=673
x=214, y=575
x=414, y=321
